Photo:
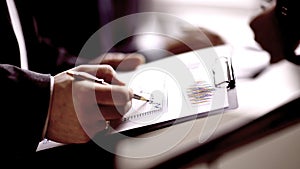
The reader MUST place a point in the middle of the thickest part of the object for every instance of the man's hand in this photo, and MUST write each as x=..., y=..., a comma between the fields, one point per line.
x=80, y=108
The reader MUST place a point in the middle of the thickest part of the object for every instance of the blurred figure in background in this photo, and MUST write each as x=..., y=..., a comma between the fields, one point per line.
x=277, y=31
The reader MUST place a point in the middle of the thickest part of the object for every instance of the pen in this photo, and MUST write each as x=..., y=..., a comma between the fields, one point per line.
x=138, y=97
x=87, y=76
x=84, y=76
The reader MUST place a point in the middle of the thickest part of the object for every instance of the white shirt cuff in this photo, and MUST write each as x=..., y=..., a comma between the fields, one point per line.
x=49, y=108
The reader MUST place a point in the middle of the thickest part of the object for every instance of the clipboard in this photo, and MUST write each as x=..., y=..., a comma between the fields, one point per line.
x=230, y=82
x=226, y=83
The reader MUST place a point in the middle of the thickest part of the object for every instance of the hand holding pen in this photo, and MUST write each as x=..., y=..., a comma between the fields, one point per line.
x=81, y=108
x=87, y=76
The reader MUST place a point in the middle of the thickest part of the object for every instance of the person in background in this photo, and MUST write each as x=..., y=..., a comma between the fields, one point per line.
x=277, y=31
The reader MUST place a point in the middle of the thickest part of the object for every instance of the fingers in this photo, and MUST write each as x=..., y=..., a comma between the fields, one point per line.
x=114, y=112
x=123, y=61
x=105, y=72
x=113, y=95
x=112, y=100
x=105, y=94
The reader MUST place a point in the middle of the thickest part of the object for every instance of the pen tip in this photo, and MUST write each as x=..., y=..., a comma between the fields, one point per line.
x=145, y=99
x=140, y=98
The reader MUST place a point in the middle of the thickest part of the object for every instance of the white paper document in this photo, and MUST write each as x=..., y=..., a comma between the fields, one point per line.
x=177, y=87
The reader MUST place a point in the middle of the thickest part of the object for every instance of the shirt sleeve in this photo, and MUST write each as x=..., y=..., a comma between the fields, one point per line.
x=49, y=108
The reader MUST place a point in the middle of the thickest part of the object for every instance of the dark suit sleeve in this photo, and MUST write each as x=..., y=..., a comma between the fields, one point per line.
x=24, y=106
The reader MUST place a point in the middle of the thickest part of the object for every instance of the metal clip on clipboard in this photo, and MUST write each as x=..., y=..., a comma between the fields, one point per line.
x=229, y=80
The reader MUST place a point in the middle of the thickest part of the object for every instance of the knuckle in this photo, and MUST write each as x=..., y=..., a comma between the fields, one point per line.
x=106, y=70
x=79, y=68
